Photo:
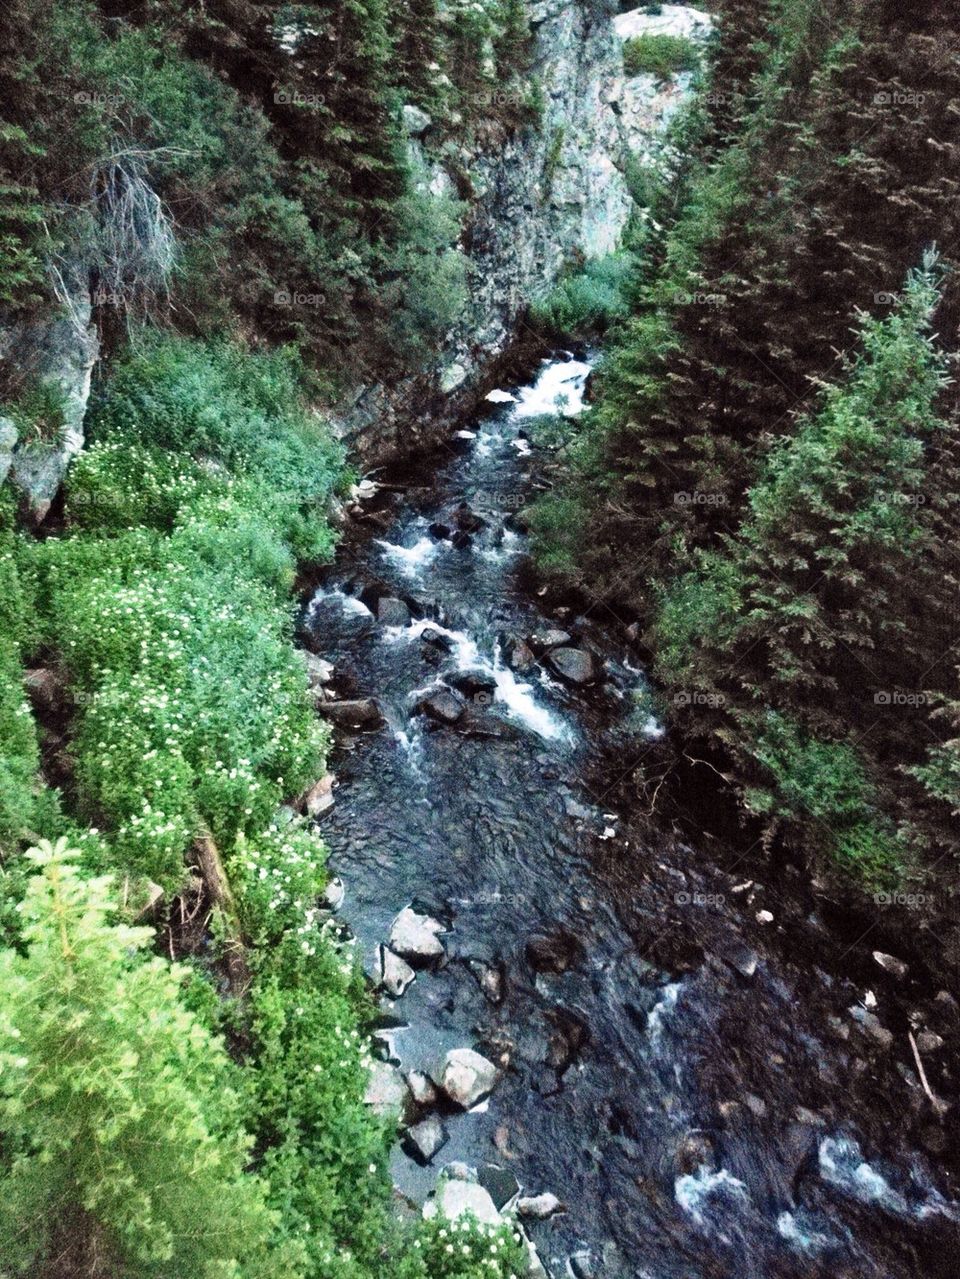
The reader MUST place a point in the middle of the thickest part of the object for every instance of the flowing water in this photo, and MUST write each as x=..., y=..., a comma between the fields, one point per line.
x=689, y=1081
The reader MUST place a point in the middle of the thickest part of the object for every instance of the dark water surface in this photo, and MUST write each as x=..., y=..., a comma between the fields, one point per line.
x=687, y=1078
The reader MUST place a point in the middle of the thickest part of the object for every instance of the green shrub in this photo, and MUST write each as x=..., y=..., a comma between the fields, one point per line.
x=123, y=1148
x=587, y=301
x=660, y=55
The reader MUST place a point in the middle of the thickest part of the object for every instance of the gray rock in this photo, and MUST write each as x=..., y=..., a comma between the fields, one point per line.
x=466, y=1077
x=421, y=1088
x=424, y=1139
x=386, y=1092
x=580, y=1266
x=929, y=1042
x=538, y=1206
x=415, y=937
x=319, y=798
x=395, y=973
x=319, y=671
x=392, y=612
x=542, y=641
x=453, y=1199
x=8, y=440
x=442, y=706
x=415, y=121
x=890, y=964
x=334, y=894
x=521, y=657
x=742, y=960
x=574, y=665
x=361, y=712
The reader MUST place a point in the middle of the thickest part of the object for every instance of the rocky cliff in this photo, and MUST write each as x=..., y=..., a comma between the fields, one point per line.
x=538, y=199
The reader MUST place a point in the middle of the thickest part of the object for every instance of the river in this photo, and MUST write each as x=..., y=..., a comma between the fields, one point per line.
x=688, y=1069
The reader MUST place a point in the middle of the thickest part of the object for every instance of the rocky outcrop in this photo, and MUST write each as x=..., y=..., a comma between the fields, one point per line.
x=537, y=198
x=58, y=355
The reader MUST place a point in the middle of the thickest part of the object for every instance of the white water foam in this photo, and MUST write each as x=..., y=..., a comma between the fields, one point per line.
x=500, y=397
x=792, y=1228
x=517, y=698
x=842, y=1164
x=350, y=604
x=411, y=560
x=661, y=1010
x=694, y=1189
x=559, y=388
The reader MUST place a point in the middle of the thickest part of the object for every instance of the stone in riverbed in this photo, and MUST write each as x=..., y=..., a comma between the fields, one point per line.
x=392, y=611
x=319, y=671
x=318, y=799
x=538, y=1206
x=395, y=973
x=466, y=1077
x=474, y=684
x=334, y=894
x=500, y=1183
x=742, y=960
x=542, y=641
x=553, y=952
x=442, y=706
x=421, y=1088
x=574, y=665
x=423, y=1140
x=468, y=521
x=891, y=964
x=415, y=936
x=360, y=712
x=453, y=1199
x=386, y=1092
x=521, y=657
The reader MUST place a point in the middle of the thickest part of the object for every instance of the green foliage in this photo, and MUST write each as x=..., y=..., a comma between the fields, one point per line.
x=123, y=1150
x=19, y=753
x=468, y=1249
x=37, y=413
x=588, y=300
x=660, y=55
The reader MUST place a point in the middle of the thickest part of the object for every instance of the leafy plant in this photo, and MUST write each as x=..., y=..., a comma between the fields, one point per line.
x=661, y=55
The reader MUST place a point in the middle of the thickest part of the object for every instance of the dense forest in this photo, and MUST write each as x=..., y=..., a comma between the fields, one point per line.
x=768, y=477
x=766, y=483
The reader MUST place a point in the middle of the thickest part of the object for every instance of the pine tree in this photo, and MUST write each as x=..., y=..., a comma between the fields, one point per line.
x=122, y=1151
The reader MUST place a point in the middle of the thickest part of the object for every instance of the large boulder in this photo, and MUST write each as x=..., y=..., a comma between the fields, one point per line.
x=386, y=1092
x=8, y=440
x=395, y=973
x=423, y=1140
x=454, y=1198
x=574, y=665
x=443, y=706
x=360, y=712
x=392, y=611
x=415, y=937
x=466, y=1077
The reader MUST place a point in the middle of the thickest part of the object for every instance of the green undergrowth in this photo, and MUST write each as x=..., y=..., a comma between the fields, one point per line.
x=164, y=608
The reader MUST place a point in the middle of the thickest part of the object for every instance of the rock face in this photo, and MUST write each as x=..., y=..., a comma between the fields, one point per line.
x=455, y=1198
x=536, y=199
x=58, y=354
x=424, y=1139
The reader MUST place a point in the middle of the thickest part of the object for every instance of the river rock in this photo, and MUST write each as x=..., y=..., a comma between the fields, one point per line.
x=439, y=532
x=574, y=665
x=395, y=973
x=436, y=639
x=742, y=960
x=461, y=541
x=360, y=712
x=467, y=1077
x=319, y=671
x=891, y=964
x=580, y=1266
x=421, y=1088
x=542, y=641
x=415, y=936
x=334, y=894
x=424, y=1139
x=453, y=1199
x=45, y=688
x=443, y=706
x=386, y=1092
x=467, y=520
x=928, y=1041
x=318, y=799
x=415, y=120
x=538, y=1206
x=8, y=440
x=521, y=657
x=477, y=685
x=392, y=611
